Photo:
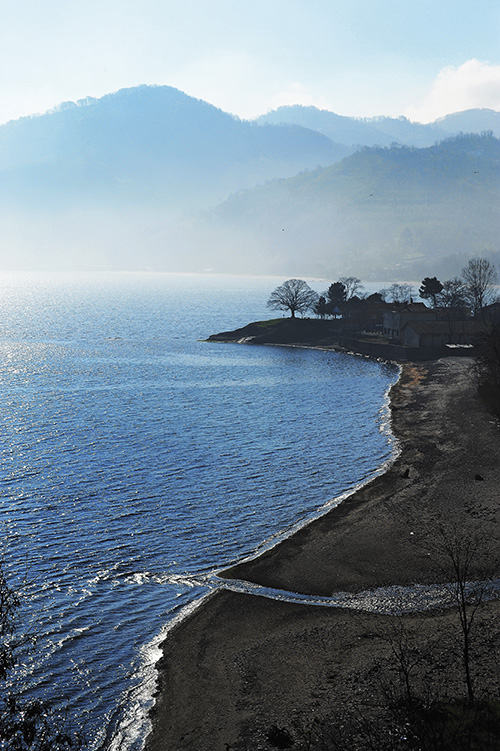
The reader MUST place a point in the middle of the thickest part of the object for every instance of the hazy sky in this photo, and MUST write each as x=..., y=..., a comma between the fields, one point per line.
x=419, y=58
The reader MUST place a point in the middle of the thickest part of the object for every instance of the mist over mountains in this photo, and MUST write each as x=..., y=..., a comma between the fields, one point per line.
x=396, y=212
x=355, y=132
x=152, y=144
x=149, y=177
x=384, y=131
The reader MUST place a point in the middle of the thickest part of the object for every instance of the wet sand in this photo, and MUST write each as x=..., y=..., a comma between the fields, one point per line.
x=241, y=663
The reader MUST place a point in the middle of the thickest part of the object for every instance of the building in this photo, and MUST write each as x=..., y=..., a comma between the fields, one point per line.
x=437, y=334
x=396, y=318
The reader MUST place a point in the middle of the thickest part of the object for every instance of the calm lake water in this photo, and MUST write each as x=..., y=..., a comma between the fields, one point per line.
x=135, y=455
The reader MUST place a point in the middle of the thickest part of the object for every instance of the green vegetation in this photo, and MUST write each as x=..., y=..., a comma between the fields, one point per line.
x=150, y=144
x=344, y=310
x=470, y=295
x=130, y=181
x=280, y=331
x=430, y=289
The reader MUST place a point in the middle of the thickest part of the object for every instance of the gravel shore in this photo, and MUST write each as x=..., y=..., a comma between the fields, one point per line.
x=242, y=665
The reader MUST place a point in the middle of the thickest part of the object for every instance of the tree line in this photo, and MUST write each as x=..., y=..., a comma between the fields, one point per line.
x=473, y=290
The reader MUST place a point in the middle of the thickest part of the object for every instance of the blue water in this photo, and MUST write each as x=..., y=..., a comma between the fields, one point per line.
x=135, y=455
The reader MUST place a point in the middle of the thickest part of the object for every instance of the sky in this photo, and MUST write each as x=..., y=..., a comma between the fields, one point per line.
x=419, y=58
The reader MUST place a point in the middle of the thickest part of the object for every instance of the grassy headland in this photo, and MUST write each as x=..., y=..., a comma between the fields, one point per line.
x=306, y=331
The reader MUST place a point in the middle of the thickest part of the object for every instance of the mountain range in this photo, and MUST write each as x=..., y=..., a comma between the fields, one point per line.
x=149, y=143
x=149, y=177
x=384, y=131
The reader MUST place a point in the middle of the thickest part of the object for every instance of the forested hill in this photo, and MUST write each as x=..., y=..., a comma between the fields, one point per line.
x=390, y=212
x=149, y=143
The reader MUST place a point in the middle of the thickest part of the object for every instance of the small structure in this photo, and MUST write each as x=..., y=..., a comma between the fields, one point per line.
x=437, y=334
x=396, y=318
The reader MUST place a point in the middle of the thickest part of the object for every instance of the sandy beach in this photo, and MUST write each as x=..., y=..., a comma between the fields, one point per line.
x=242, y=665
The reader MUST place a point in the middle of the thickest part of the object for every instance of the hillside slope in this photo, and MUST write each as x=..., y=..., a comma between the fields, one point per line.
x=116, y=182
x=394, y=212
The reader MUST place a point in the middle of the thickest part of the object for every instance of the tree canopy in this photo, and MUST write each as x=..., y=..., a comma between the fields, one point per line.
x=321, y=308
x=430, y=289
x=400, y=292
x=453, y=296
x=479, y=275
x=352, y=286
x=294, y=295
x=336, y=294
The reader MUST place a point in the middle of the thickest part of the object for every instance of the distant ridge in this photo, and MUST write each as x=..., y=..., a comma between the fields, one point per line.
x=382, y=131
x=471, y=121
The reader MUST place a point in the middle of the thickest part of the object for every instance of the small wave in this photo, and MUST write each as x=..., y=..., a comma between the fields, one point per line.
x=146, y=577
x=396, y=599
x=135, y=725
x=74, y=634
x=278, y=537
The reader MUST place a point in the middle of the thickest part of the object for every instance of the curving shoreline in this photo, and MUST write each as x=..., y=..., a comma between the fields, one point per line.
x=376, y=537
x=242, y=663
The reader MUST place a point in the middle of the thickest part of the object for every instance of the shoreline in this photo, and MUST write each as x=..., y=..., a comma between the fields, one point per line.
x=242, y=663
x=267, y=546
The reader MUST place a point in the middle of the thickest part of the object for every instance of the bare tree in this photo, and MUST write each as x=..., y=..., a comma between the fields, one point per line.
x=480, y=276
x=453, y=298
x=453, y=295
x=400, y=292
x=352, y=286
x=469, y=567
x=406, y=656
x=294, y=295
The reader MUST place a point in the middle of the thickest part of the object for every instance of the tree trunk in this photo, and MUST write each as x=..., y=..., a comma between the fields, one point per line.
x=468, y=679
